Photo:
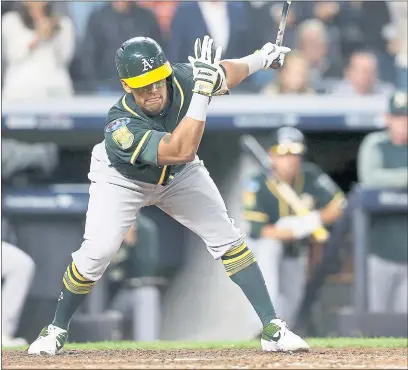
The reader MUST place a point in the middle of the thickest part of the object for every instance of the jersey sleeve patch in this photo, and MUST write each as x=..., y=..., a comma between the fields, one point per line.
x=121, y=135
x=117, y=123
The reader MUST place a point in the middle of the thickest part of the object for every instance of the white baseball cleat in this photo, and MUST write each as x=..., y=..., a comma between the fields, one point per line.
x=276, y=337
x=49, y=342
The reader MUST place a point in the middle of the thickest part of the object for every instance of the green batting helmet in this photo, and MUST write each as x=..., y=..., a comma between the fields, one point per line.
x=141, y=61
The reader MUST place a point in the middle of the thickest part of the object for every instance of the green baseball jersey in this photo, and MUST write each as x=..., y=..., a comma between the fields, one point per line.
x=263, y=205
x=132, y=137
x=388, y=235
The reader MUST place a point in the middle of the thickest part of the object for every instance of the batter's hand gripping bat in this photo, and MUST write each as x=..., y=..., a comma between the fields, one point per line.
x=250, y=145
x=281, y=29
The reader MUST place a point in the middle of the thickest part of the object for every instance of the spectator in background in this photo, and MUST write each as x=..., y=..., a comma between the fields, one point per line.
x=375, y=25
x=264, y=18
x=293, y=77
x=17, y=270
x=383, y=163
x=38, y=47
x=399, y=16
x=164, y=11
x=328, y=12
x=349, y=22
x=80, y=12
x=361, y=76
x=225, y=22
x=108, y=27
x=313, y=46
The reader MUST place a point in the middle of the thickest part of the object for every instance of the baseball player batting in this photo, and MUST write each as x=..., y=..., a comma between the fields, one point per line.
x=148, y=157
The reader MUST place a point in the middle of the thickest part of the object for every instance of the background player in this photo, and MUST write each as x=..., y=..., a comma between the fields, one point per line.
x=383, y=162
x=278, y=233
x=17, y=271
x=149, y=157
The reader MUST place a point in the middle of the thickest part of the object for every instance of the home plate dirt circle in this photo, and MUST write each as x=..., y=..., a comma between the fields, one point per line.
x=361, y=358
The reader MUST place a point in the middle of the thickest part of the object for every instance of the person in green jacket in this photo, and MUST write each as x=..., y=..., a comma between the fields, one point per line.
x=383, y=164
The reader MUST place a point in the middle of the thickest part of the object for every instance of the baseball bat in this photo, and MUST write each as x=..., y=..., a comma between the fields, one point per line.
x=250, y=145
x=282, y=23
x=281, y=28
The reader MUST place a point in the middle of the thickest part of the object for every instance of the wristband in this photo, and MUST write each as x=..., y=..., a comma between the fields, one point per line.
x=198, y=107
x=255, y=62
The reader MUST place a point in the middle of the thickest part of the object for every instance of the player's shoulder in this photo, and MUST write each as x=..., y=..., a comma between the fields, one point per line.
x=122, y=125
x=183, y=72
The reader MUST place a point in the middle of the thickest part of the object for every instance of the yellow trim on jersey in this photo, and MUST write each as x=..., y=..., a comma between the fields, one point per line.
x=149, y=77
x=77, y=274
x=182, y=96
x=127, y=107
x=283, y=206
x=162, y=175
x=139, y=147
x=256, y=216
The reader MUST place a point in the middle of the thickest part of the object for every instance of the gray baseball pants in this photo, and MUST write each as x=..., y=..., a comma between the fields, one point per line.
x=191, y=198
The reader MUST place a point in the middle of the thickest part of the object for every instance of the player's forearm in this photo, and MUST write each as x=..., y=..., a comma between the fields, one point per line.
x=238, y=70
x=331, y=213
x=182, y=145
x=273, y=232
x=387, y=178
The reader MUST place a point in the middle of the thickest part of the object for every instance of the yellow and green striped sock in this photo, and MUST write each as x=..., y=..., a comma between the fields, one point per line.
x=74, y=290
x=242, y=268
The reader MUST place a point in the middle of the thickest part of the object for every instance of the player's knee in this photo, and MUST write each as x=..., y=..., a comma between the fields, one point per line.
x=89, y=267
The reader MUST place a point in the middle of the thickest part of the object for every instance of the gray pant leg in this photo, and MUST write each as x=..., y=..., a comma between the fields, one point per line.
x=380, y=283
x=113, y=204
x=193, y=199
x=18, y=271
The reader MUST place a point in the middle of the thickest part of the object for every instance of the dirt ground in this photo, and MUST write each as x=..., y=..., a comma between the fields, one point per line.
x=211, y=359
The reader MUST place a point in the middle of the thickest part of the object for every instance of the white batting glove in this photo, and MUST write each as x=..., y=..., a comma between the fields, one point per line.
x=301, y=226
x=205, y=66
x=273, y=54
